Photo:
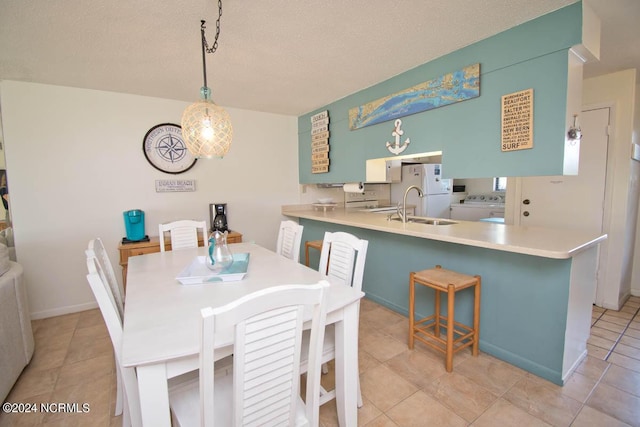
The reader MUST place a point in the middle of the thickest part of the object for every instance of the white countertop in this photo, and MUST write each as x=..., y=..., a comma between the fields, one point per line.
x=543, y=242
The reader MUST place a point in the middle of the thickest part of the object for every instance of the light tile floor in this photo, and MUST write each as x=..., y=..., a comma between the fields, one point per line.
x=73, y=363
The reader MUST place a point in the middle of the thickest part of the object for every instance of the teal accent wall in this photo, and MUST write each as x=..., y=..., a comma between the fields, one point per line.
x=524, y=299
x=531, y=55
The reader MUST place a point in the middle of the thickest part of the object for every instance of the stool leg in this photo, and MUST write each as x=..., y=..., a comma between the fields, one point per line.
x=476, y=318
x=451, y=295
x=411, y=309
x=436, y=326
x=306, y=254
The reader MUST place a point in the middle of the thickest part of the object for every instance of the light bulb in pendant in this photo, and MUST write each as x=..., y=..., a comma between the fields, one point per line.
x=207, y=132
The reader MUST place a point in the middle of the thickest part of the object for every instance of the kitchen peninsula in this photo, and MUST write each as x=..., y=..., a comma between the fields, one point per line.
x=537, y=284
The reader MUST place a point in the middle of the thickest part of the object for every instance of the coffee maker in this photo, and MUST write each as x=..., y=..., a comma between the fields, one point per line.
x=218, y=217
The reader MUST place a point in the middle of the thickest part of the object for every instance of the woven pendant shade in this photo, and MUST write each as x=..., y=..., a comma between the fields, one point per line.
x=206, y=129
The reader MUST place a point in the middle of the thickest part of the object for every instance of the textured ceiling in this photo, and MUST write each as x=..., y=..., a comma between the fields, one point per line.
x=279, y=56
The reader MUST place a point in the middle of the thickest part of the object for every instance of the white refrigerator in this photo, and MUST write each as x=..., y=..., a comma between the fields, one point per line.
x=436, y=202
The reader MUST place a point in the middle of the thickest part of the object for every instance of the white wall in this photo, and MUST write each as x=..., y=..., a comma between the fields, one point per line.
x=621, y=200
x=75, y=162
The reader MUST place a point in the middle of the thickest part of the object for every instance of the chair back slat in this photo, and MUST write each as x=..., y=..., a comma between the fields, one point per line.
x=184, y=234
x=343, y=257
x=289, y=240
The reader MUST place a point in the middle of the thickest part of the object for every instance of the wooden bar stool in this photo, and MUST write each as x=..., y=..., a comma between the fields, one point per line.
x=427, y=330
x=315, y=244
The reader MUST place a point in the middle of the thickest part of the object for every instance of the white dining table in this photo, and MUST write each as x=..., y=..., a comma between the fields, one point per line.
x=162, y=321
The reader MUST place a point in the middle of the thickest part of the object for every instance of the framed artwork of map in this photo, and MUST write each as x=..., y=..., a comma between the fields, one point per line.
x=453, y=87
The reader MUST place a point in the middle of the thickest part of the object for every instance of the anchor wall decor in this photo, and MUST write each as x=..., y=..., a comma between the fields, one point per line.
x=396, y=148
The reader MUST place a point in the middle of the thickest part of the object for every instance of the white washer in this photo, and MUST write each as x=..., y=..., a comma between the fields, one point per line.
x=478, y=207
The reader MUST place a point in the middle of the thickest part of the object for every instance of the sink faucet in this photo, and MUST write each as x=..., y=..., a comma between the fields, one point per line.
x=403, y=214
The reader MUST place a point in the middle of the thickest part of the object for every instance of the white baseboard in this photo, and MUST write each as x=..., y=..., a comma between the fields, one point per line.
x=63, y=310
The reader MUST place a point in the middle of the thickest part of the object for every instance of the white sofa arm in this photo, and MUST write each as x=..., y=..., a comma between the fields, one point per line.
x=16, y=334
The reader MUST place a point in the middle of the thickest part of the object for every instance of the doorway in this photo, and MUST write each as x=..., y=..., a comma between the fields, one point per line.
x=572, y=201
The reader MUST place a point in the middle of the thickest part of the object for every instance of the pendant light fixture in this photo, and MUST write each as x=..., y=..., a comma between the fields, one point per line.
x=206, y=127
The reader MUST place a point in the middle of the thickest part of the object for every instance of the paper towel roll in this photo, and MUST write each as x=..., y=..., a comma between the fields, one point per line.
x=353, y=187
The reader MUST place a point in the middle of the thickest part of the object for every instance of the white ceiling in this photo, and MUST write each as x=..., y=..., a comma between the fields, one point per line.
x=279, y=56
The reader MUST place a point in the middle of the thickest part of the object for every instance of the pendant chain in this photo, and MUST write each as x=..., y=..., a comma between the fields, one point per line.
x=215, y=41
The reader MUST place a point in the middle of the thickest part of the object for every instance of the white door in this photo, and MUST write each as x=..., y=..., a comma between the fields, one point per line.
x=577, y=201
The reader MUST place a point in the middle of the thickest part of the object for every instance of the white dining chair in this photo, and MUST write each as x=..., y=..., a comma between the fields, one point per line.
x=128, y=384
x=289, y=240
x=96, y=247
x=264, y=388
x=342, y=259
x=131, y=413
x=184, y=234
x=102, y=265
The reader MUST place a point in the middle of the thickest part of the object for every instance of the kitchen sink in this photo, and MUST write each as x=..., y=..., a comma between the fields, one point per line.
x=428, y=221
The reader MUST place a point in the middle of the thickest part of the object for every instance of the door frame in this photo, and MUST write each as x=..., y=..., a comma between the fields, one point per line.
x=603, y=249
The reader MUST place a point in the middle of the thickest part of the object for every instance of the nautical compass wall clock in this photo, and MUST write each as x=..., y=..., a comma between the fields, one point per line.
x=166, y=151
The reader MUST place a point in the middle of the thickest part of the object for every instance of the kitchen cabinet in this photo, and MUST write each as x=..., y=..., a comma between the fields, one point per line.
x=153, y=245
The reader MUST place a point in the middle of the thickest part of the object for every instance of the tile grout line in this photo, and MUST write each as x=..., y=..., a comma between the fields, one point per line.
x=621, y=334
x=593, y=389
x=598, y=318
